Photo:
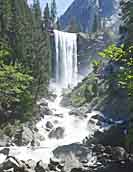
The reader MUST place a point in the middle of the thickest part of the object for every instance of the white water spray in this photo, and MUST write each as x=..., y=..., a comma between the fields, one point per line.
x=66, y=58
x=75, y=128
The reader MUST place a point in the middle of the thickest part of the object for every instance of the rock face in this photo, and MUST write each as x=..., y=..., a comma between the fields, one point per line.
x=4, y=141
x=57, y=133
x=90, y=13
x=11, y=164
x=25, y=135
x=78, y=150
x=49, y=125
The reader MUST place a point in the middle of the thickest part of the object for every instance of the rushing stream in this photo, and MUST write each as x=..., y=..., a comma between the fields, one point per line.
x=74, y=128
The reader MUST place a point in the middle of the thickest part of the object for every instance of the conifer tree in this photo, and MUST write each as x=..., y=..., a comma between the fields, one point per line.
x=127, y=17
x=46, y=18
x=53, y=11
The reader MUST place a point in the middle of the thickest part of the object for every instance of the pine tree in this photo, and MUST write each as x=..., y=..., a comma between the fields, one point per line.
x=2, y=22
x=53, y=11
x=46, y=18
x=127, y=17
x=41, y=52
x=36, y=9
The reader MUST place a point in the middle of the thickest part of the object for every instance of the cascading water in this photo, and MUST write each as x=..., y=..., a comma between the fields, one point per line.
x=66, y=58
x=75, y=128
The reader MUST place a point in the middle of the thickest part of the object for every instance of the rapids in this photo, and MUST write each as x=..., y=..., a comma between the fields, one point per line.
x=76, y=129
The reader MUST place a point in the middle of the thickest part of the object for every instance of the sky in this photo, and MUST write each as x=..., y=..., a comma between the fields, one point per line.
x=62, y=5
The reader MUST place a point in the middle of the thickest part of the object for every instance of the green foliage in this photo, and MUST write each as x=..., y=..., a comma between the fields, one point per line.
x=127, y=17
x=25, y=58
x=46, y=18
x=14, y=86
x=96, y=65
x=124, y=58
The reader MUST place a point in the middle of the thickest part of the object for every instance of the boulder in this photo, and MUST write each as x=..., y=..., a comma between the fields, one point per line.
x=11, y=162
x=77, y=170
x=76, y=112
x=99, y=148
x=57, y=133
x=4, y=141
x=23, y=136
x=5, y=151
x=41, y=167
x=99, y=117
x=75, y=150
x=59, y=115
x=49, y=125
x=31, y=164
x=44, y=103
x=91, y=121
x=119, y=153
x=114, y=136
x=27, y=135
x=108, y=149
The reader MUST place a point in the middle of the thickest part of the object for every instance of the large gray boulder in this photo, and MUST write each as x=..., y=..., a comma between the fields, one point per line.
x=11, y=164
x=27, y=135
x=23, y=136
x=57, y=133
x=4, y=141
x=119, y=153
x=49, y=125
x=5, y=151
x=41, y=167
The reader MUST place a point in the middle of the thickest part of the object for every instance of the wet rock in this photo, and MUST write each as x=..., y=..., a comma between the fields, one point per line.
x=61, y=166
x=56, y=165
x=9, y=163
x=38, y=137
x=54, y=162
x=118, y=153
x=78, y=170
x=5, y=151
x=43, y=104
x=57, y=133
x=99, y=117
x=41, y=167
x=75, y=150
x=108, y=149
x=4, y=141
x=76, y=112
x=99, y=148
x=23, y=136
x=49, y=125
x=31, y=164
x=59, y=115
x=45, y=111
x=114, y=136
x=27, y=135
x=92, y=121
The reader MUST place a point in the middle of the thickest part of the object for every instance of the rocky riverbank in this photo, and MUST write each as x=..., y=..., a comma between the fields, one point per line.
x=98, y=153
x=76, y=141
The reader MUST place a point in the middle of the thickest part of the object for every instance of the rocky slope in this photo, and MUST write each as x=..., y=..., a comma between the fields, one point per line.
x=96, y=93
x=89, y=44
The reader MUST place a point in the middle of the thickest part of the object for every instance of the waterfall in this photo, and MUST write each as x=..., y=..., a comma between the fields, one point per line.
x=66, y=58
